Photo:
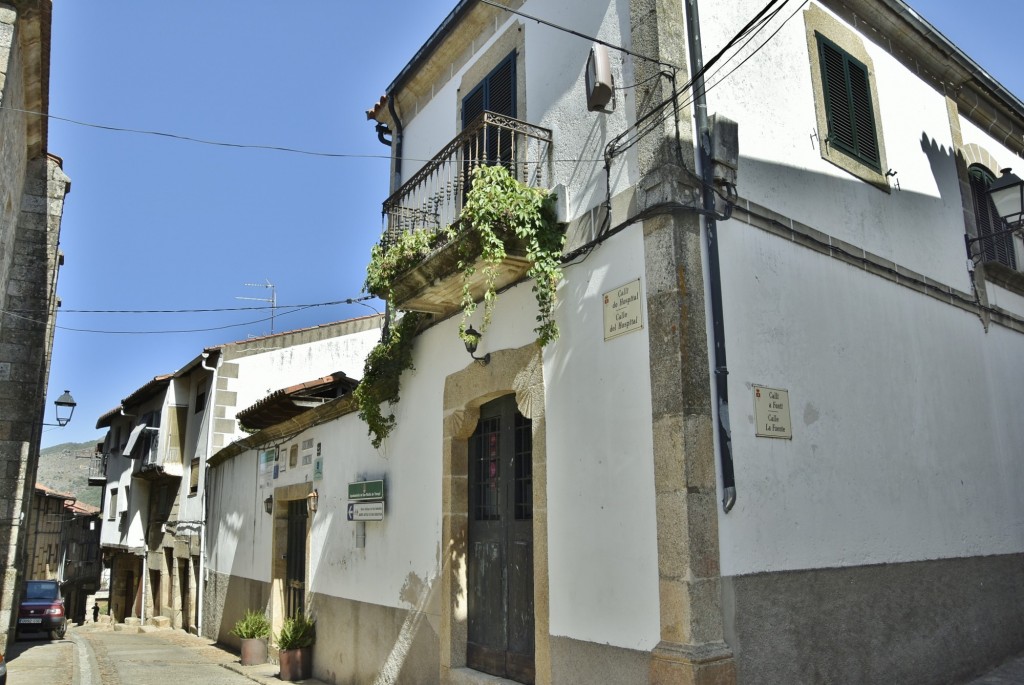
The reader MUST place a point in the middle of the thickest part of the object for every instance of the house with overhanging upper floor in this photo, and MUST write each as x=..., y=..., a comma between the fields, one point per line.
x=753, y=422
x=154, y=457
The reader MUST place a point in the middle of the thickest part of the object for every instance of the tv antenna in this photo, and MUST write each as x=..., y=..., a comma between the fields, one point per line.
x=272, y=299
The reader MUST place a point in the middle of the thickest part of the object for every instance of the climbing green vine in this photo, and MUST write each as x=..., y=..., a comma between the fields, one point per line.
x=499, y=212
x=384, y=365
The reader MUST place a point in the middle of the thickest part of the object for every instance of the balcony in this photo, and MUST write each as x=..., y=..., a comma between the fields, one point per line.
x=432, y=200
x=98, y=469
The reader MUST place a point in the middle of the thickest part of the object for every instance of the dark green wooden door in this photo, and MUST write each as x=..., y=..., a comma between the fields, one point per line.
x=500, y=559
x=295, y=561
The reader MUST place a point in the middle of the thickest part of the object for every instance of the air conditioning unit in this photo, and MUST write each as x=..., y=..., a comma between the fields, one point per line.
x=600, y=84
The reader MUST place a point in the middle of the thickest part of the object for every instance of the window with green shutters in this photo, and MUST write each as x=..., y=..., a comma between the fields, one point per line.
x=848, y=107
x=999, y=248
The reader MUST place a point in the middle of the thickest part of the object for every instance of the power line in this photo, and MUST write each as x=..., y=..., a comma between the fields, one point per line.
x=350, y=300
x=293, y=310
x=245, y=146
x=202, y=141
x=573, y=32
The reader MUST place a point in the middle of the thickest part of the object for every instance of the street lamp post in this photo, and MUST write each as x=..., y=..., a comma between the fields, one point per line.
x=64, y=409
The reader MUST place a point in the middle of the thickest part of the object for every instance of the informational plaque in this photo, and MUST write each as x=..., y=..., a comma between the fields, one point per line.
x=623, y=310
x=365, y=511
x=771, y=413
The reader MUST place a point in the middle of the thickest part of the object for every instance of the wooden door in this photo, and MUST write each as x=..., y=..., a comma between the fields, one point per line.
x=185, y=591
x=295, y=561
x=500, y=637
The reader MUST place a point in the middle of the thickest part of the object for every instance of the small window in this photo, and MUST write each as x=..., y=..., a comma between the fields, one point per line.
x=998, y=248
x=848, y=108
x=846, y=103
x=112, y=508
x=496, y=93
x=200, y=397
x=193, y=480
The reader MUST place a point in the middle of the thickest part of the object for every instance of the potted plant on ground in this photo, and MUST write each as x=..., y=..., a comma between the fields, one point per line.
x=253, y=629
x=295, y=642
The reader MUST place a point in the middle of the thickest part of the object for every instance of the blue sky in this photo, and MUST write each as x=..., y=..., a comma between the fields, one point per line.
x=155, y=223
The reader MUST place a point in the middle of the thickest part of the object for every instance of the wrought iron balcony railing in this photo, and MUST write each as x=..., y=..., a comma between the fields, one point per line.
x=433, y=197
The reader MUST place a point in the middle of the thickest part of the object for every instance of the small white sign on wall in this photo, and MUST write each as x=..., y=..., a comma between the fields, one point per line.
x=771, y=413
x=623, y=310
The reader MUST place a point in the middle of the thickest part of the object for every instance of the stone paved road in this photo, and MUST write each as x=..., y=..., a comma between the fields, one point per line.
x=99, y=655
x=128, y=657
x=38, y=660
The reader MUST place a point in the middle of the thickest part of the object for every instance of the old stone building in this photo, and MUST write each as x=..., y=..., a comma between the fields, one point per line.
x=62, y=544
x=32, y=190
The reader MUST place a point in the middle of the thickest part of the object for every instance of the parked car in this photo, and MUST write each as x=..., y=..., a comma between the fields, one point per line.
x=42, y=610
x=3, y=670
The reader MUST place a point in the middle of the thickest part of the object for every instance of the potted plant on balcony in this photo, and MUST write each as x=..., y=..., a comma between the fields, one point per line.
x=295, y=643
x=253, y=629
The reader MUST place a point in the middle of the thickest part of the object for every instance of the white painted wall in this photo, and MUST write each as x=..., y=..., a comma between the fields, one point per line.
x=919, y=227
x=904, y=446
x=555, y=99
x=902, y=406
x=600, y=475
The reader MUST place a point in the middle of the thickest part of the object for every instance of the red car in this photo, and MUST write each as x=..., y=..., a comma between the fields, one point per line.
x=42, y=609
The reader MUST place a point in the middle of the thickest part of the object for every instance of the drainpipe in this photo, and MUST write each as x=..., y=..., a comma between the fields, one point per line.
x=397, y=143
x=142, y=598
x=398, y=138
x=210, y=404
x=721, y=372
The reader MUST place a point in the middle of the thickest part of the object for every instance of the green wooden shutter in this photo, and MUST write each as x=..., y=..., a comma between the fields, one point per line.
x=999, y=249
x=495, y=93
x=848, y=108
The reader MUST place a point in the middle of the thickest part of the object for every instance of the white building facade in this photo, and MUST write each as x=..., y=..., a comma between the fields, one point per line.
x=156, y=449
x=835, y=503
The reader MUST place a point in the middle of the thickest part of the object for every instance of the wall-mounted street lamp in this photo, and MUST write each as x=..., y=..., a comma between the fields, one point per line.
x=268, y=504
x=1007, y=195
x=64, y=409
x=472, y=339
x=312, y=502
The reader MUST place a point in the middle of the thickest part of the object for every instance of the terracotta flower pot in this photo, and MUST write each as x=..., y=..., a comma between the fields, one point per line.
x=296, y=664
x=254, y=651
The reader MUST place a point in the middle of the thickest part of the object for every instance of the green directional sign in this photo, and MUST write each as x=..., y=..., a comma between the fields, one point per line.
x=367, y=489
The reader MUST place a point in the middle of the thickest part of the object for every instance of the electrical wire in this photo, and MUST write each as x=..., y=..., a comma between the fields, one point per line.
x=294, y=309
x=573, y=32
x=244, y=146
x=350, y=300
x=617, y=144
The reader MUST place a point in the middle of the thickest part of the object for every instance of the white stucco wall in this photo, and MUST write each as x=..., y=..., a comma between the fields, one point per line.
x=269, y=368
x=904, y=438
x=600, y=476
x=555, y=99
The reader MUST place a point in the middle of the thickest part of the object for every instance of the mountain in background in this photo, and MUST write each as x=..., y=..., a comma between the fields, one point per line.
x=65, y=468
